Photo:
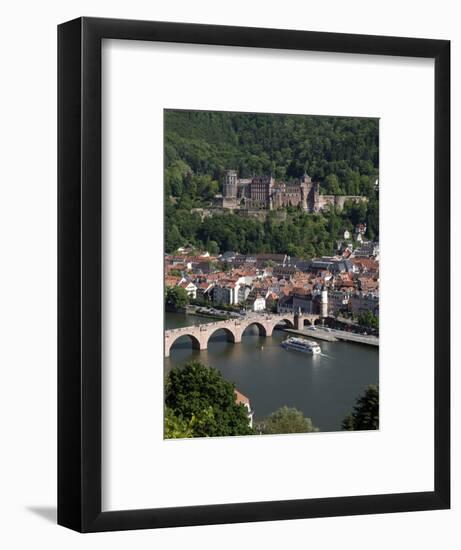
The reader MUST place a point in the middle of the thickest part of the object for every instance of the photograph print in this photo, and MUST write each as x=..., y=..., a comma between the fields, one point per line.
x=271, y=274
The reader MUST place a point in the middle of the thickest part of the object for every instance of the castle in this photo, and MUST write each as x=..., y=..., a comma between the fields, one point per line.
x=264, y=193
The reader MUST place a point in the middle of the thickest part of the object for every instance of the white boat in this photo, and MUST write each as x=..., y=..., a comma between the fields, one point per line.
x=301, y=344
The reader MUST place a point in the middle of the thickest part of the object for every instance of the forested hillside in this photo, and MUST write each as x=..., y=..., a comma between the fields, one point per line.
x=341, y=153
x=302, y=235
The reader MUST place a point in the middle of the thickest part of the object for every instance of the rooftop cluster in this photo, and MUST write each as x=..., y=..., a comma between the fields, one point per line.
x=347, y=283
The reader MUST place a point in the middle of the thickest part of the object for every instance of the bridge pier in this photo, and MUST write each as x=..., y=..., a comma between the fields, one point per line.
x=298, y=320
x=238, y=336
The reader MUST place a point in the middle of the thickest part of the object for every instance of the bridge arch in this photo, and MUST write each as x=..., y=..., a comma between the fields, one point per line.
x=195, y=342
x=229, y=333
x=263, y=331
x=284, y=322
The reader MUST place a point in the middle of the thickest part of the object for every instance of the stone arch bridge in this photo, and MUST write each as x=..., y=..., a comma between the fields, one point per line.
x=234, y=328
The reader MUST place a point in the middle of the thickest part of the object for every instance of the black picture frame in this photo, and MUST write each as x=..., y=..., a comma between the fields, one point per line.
x=79, y=274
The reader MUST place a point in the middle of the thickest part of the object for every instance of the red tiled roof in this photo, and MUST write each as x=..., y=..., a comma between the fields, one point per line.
x=369, y=263
x=203, y=285
x=172, y=280
x=185, y=284
x=240, y=398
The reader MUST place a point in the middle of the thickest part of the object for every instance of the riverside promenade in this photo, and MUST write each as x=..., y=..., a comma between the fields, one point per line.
x=334, y=335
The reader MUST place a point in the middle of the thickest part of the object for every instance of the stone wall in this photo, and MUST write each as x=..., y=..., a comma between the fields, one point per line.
x=337, y=201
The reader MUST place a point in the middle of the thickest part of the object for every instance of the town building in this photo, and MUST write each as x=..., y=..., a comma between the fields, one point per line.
x=328, y=285
x=283, y=272
x=366, y=250
x=224, y=294
x=259, y=303
x=204, y=290
x=190, y=288
x=297, y=301
x=338, y=302
x=361, y=302
x=334, y=264
x=244, y=292
x=226, y=291
x=243, y=400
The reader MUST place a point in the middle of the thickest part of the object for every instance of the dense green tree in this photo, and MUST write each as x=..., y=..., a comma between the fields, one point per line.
x=286, y=421
x=200, y=392
x=175, y=426
x=372, y=218
x=365, y=415
x=332, y=185
x=300, y=234
x=178, y=427
x=355, y=212
x=173, y=238
x=176, y=297
x=368, y=319
x=175, y=177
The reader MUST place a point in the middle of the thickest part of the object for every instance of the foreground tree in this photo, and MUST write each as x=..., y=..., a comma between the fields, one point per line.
x=365, y=415
x=202, y=404
x=178, y=427
x=286, y=421
x=175, y=426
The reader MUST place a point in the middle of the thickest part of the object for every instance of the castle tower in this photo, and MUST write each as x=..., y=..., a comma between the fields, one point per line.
x=304, y=188
x=230, y=184
x=306, y=178
x=315, y=197
x=309, y=193
x=229, y=190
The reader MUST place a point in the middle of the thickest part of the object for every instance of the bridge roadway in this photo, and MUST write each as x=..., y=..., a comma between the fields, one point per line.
x=234, y=328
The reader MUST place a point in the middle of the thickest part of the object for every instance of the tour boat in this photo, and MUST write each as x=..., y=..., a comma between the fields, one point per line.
x=301, y=344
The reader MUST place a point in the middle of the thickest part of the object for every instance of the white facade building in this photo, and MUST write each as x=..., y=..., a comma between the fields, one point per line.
x=259, y=304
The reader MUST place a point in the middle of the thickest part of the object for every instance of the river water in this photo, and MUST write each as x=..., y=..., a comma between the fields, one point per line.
x=324, y=387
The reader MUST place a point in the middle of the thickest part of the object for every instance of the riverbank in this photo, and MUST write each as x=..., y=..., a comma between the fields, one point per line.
x=317, y=334
x=333, y=335
x=202, y=311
